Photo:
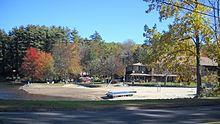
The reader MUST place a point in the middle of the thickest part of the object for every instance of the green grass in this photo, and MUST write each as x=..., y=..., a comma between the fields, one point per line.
x=23, y=105
x=217, y=97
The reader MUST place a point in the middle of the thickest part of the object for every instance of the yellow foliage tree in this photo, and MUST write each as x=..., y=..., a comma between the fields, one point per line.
x=67, y=60
x=190, y=22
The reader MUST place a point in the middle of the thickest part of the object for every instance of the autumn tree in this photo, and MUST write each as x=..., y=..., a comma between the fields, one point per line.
x=45, y=67
x=190, y=22
x=38, y=66
x=30, y=65
x=168, y=57
x=67, y=60
x=19, y=39
x=213, y=46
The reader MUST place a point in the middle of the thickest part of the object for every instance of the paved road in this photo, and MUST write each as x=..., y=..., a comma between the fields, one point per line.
x=180, y=115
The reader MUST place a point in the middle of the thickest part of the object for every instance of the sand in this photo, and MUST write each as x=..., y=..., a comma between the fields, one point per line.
x=80, y=92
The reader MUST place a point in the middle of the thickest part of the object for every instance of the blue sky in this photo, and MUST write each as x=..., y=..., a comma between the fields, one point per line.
x=115, y=20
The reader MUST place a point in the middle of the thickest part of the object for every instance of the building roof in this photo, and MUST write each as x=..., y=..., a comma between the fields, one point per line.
x=160, y=75
x=207, y=61
x=138, y=64
x=204, y=61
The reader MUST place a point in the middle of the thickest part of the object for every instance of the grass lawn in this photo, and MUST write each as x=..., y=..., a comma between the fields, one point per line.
x=23, y=105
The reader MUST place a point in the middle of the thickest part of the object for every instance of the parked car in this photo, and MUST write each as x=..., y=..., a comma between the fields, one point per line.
x=113, y=82
x=85, y=79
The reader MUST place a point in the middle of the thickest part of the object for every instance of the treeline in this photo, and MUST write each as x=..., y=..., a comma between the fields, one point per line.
x=96, y=57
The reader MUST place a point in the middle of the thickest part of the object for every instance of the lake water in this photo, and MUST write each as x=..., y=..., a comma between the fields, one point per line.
x=10, y=91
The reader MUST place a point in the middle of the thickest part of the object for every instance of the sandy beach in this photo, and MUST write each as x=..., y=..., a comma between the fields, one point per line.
x=85, y=93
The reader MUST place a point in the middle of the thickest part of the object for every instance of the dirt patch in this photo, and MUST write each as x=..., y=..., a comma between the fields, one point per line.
x=78, y=92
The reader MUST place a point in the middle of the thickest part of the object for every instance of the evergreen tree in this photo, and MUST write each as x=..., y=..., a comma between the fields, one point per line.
x=4, y=39
x=96, y=37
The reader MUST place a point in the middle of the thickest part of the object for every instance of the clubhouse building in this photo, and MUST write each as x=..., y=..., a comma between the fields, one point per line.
x=138, y=72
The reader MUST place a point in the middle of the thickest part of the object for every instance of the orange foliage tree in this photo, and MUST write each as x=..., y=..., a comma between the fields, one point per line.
x=37, y=65
x=45, y=66
x=30, y=64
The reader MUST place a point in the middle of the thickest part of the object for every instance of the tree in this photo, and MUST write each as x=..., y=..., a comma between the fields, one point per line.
x=4, y=38
x=96, y=37
x=113, y=67
x=54, y=36
x=127, y=52
x=67, y=60
x=93, y=54
x=45, y=66
x=167, y=56
x=30, y=65
x=111, y=64
x=189, y=23
x=38, y=66
x=41, y=37
x=77, y=39
x=213, y=49
x=139, y=54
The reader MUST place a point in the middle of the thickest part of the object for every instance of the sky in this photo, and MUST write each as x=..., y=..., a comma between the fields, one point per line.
x=114, y=20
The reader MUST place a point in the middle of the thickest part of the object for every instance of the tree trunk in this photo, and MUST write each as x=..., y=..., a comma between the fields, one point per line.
x=218, y=72
x=198, y=72
x=218, y=26
x=166, y=79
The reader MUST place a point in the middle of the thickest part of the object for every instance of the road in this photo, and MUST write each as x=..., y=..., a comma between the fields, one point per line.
x=180, y=115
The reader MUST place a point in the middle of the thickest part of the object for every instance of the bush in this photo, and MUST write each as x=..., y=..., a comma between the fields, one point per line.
x=142, y=81
x=211, y=90
x=186, y=83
